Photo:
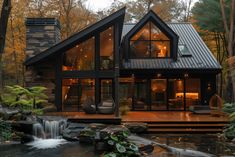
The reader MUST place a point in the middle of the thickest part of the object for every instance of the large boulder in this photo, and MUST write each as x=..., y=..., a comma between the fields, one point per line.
x=7, y=114
x=137, y=127
x=72, y=132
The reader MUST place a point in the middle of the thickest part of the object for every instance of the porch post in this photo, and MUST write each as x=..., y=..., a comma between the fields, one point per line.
x=58, y=84
x=116, y=68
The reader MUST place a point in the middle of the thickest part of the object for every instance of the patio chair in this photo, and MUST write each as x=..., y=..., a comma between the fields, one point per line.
x=106, y=107
x=89, y=106
x=215, y=104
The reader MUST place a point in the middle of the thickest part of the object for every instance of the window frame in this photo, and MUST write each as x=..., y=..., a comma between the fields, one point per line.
x=149, y=43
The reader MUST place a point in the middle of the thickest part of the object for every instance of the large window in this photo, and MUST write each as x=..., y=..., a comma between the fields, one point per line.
x=158, y=94
x=150, y=42
x=75, y=92
x=106, y=49
x=81, y=57
x=193, y=92
x=176, y=94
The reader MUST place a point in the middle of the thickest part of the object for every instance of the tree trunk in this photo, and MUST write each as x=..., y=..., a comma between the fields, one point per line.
x=229, y=36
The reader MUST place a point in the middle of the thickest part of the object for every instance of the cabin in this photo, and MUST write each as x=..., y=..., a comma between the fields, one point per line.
x=152, y=65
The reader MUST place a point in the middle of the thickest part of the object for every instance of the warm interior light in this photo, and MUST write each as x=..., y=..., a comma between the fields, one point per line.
x=188, y=95
x=85, y=56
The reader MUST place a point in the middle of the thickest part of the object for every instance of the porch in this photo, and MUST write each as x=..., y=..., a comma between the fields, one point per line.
x=158, y=121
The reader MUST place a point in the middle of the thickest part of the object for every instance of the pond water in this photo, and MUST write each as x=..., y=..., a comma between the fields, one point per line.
x=205, y=143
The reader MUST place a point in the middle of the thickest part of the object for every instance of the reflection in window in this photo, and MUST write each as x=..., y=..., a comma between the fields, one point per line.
x=106, y=90
x=176, y=94
x=75, y=92
x=140, y=95
x=149, y=42
x=81, y=57
x=158, y=94
x=106, y=49
x=193, y=92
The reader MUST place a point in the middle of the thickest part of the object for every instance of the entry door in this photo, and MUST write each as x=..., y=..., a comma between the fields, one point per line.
x=158, y=94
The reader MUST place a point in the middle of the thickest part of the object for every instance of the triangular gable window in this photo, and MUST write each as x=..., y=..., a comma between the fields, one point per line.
x=149, y=42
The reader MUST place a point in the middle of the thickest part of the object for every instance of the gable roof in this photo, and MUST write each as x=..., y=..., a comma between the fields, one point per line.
x=201, y=57
x=152, y=16
x=67, y=43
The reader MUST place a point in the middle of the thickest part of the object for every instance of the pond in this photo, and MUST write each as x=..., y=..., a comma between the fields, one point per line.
x=205, y=143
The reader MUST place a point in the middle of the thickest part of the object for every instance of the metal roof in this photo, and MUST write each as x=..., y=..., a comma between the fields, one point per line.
x=201, y=57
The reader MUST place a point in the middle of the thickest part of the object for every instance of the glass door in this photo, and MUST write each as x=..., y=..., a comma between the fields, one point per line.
x=140, y=95
x=158, y=94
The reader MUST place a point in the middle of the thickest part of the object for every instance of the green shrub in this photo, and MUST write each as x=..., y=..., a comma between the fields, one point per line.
x=121, y=146
x=24, y=98
x=229, y=107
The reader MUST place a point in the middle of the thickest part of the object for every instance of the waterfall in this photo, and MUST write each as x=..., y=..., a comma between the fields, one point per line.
x=49, y=128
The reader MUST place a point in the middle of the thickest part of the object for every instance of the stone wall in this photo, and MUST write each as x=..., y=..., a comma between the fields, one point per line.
x=41, y=34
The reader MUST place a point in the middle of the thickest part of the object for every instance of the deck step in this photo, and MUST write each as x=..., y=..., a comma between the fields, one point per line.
x=186, y=125
x=183, y=130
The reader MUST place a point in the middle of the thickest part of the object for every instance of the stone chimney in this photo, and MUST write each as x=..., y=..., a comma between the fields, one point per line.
x=41, y=34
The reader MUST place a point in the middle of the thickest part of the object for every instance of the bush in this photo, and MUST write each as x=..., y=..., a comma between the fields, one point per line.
x=120, y=146
x=229, y=107
x=23, y=98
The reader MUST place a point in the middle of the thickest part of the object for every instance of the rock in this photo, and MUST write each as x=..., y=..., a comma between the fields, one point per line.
x=87, y=135
x=72, y=132
x=6, y=113
x=22, y=126
x=137, y=127
x=101, y=146
x=16, y=117
x=51, y=108
x=25, y=138
x=96, y=126
x=113, y=129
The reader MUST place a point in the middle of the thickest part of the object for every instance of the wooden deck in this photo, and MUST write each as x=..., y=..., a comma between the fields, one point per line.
x=158, y=122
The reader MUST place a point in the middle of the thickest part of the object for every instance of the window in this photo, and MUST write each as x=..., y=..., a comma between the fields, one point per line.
x=176, y=94
x=158, y=94
x=149, y=42
x=81, y=57
x=106, y=49
x=184, y=51
x=106, y=89
x=193, y=92
x=75, y=92
x=140, y=94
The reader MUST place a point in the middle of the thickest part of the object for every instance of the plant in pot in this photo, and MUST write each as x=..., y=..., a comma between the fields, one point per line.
x=124, y=107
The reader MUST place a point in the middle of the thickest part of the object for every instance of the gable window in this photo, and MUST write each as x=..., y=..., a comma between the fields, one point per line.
x=106, y=49
x=149, y=42
x=81, y=57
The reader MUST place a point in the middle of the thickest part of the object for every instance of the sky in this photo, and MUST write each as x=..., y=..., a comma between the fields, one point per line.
x=98, y=4
x=102, y=4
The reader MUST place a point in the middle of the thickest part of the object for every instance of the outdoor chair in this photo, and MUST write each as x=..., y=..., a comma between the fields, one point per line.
x=215, y=104
x=89, y=106
x=106, y=107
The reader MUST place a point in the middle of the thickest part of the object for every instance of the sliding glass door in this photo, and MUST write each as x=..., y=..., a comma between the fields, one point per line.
x=158, y=94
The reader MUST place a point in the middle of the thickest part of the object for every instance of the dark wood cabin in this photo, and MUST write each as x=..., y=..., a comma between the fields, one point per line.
x=152, y=64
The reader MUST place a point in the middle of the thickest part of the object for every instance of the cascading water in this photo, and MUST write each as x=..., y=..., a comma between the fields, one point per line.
x=49, y=128
x=47, y=133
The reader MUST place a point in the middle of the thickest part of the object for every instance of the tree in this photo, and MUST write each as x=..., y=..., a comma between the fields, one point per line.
x=228, y=23
x=168, y=10
x=211, y=22
x=6, y=9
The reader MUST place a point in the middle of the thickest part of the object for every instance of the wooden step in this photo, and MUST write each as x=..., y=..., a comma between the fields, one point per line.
x=185, y=125
x=183, y=130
